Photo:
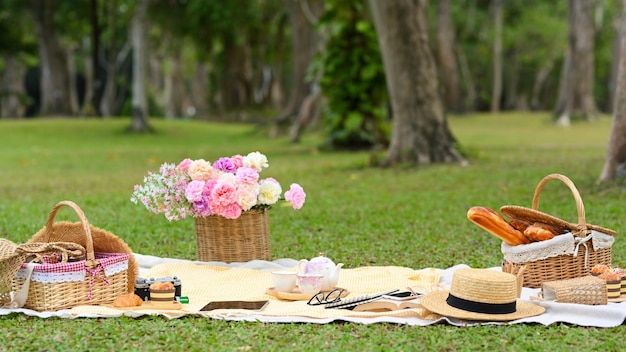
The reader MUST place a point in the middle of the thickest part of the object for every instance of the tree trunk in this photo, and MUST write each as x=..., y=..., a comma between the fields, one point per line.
x=88, y=108
x=12, y=89
x=496, y=94
x=615, y=164
x=303, y=47
x=174, y=87
x=200, y=91
x=577, y=94
x=540, y=80
x=468, y=81
x=95, y=58
x=446, y=58
x=72, y=80
x=615, y=60
x=55, y=85
x=139, y=121
x=420, y=133
x=109, y=91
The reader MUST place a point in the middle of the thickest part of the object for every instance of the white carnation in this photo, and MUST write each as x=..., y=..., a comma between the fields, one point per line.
x=255, y=160
x=269, y=192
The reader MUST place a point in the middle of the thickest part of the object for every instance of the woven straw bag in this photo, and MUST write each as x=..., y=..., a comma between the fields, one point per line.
x=567, y=266
x=12, y=256
x=97, y=279
x=582, y=290
x=233, y=240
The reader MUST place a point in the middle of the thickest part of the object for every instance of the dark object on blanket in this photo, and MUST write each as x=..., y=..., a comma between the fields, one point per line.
x=247, y=305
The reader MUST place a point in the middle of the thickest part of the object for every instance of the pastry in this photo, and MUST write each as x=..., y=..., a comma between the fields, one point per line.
x=162, y=286
x=127, y=300
x=540, y=232
x=519, y=225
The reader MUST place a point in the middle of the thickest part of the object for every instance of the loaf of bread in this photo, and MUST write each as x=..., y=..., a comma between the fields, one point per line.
x=492, y=222
x=127, y=300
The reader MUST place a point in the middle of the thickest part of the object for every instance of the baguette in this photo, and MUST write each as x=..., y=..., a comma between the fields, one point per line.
x=493, y=223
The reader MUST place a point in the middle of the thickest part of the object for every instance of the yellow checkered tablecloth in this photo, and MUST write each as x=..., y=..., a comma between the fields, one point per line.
x=203, y=284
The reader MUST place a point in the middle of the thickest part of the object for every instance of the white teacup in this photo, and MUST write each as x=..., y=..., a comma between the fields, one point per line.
x=310, y=283
x=284, y=281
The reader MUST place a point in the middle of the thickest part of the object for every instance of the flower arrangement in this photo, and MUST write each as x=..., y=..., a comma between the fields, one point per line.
x=227, y=187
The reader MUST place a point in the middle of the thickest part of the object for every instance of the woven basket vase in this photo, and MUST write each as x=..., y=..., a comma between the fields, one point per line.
x=233, y=240
x=563, y=266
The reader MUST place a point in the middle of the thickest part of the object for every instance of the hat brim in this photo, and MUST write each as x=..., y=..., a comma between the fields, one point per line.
x=436, y=303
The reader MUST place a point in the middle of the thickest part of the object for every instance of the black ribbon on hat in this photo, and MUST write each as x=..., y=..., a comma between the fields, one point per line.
x=480, y=307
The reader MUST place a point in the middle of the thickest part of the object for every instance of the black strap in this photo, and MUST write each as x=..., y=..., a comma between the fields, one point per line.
x=479, y=307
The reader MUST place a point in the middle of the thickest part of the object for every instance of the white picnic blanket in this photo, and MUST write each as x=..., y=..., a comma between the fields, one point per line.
x=610, y=315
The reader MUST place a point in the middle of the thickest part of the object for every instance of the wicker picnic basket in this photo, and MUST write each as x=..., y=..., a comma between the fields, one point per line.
x=591, y=244
x=233, y=240
x=96, y=279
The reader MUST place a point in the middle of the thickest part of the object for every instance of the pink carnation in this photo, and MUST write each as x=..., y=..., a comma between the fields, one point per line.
x=295, y=195
x=247, y=175
x=229, y=211
x=208, y=187
x=202, y=207
x=184, y=165
x=223, y=194
x=237, y=161
x=194, y=191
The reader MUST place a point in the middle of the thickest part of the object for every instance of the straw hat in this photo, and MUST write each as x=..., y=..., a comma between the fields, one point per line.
x=480, y=294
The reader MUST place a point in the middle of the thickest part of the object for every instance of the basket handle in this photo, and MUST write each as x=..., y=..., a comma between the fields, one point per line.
x=580, y=207
x=91, y=258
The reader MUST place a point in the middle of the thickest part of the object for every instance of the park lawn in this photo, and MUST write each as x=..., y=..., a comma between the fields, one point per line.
x=356, y=214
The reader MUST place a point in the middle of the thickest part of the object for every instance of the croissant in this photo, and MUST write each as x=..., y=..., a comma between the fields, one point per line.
x=492, y=222
x=540, y=232
x=127, y=300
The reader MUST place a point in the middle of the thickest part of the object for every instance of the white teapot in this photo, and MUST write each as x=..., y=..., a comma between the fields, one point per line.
x=324, y=266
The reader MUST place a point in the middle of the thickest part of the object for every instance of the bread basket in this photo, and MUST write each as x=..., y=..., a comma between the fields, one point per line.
x=589, y=245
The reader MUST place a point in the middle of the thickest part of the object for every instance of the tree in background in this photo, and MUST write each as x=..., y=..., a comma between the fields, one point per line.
x=55, y=80
x=615, y=163
x=16, y=49
x=353, y=79
x=445, y=54
x=305, y=42
x=420, y=133
x=140, y=113
x=576, y=89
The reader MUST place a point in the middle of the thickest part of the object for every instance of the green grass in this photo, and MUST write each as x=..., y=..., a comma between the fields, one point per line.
x=357, y=215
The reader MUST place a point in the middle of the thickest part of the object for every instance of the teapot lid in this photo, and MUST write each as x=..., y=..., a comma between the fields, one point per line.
x=322, y=259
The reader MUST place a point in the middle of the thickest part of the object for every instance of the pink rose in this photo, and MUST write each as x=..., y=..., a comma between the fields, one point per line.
x=295, y=195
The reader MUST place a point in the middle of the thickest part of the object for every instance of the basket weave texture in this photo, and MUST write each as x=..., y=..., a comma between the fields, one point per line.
x=243, y=239
x=563, y=266
x=85, y=282
x=582, y=290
